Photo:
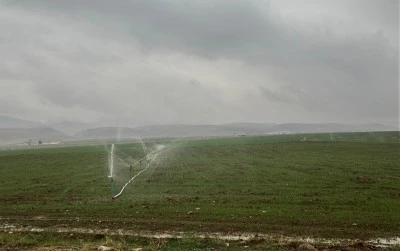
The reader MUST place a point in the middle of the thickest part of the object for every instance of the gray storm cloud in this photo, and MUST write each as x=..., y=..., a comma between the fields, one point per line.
x=200, y=61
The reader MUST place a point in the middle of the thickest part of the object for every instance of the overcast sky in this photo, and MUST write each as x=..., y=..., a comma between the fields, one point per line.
x=200, y=62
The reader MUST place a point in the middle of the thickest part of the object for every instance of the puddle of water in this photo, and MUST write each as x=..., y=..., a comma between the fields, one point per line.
x=385, y=241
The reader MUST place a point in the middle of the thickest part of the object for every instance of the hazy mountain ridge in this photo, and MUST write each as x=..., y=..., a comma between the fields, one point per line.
x=10, y=122
x=19, y=131
x=70, y=128
x=225, y=130
x=66, y=127
x=330, y=127
x=22, y=135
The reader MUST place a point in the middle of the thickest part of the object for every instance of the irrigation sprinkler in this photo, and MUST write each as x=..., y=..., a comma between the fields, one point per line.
x=113, y=185
x=153, y=155
x=111, y=167
x=111, y=161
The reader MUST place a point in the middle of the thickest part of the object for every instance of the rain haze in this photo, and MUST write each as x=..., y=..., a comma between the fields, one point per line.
x=200, y=62
x=199, y=125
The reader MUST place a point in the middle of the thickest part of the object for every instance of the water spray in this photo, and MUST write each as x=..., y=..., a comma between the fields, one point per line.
x=143, y=146
x=111, y=163
x=153, y=155
x=111, y=167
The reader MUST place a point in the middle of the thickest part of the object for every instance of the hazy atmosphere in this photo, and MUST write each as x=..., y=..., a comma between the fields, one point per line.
x=200, y=62
x=199, y=125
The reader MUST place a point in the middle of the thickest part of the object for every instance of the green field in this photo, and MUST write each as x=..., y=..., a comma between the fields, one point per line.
x=341, y=185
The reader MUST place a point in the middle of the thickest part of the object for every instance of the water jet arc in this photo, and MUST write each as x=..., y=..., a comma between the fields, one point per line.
x=111, y=163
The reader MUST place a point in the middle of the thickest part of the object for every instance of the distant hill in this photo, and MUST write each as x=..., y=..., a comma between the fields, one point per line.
x=223, y=130
x=10, y=122
x=13, y=130
x=66, y=127
x=329, y=127
x=69, y=128
x=22, y=135
x=256, y=127
x=158, y=131
x=105, y=133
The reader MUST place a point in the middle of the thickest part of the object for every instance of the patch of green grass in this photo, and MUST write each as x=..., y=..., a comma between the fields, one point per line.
x=339, y=185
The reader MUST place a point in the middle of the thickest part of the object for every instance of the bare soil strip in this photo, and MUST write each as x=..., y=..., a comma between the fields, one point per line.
x=377, y=242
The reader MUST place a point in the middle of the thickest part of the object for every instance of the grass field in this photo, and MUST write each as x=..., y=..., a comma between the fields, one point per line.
x=341, y=185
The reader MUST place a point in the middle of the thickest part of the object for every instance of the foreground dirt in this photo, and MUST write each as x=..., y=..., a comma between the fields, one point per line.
x=252, y=241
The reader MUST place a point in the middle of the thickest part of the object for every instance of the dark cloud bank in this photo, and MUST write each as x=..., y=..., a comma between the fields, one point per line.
x=200, y=61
